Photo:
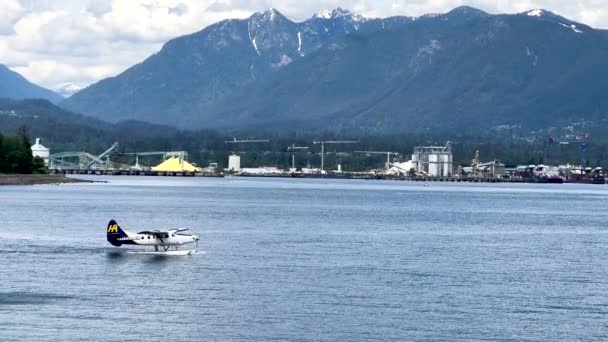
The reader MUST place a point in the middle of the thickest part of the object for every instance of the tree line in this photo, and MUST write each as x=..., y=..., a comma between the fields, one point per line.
x=16, y=155
x=66, y=131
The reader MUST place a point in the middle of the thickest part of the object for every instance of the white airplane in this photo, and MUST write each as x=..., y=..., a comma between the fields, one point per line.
x=162, y=242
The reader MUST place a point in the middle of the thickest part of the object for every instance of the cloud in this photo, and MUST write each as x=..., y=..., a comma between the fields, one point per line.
x=10, y=12
x=179, y=10
x=99, y=7
x=82, y=41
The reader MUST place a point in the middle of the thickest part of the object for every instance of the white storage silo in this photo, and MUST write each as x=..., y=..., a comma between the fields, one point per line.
x=433, y=165
x=234, y=163
x=446, y=164
x=39, y=150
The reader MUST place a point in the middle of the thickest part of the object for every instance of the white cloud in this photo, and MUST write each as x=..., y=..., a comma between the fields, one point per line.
x=10, y=11
x=81, y=41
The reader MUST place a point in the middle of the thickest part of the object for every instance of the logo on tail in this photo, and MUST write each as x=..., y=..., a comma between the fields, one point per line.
x=113, y=228
x=114, y=233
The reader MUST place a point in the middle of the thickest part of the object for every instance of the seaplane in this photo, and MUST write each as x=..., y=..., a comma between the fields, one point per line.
x=158, y=242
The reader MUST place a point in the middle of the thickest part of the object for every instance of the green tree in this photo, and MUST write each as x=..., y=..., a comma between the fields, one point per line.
x=23, y=152
x=4, y=165
x=16, y=153
x=38, y=165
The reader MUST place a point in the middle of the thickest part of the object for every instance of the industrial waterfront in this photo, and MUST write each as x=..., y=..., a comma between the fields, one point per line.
x=307, y=259
x=425, y=163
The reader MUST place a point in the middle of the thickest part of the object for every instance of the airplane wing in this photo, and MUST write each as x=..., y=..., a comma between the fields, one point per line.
x=153, y=232
x=181, y=230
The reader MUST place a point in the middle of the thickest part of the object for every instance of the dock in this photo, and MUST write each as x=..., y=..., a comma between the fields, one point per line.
x=135, y=173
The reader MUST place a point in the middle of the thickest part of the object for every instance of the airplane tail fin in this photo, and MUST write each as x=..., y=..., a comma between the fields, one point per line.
x=114, y=232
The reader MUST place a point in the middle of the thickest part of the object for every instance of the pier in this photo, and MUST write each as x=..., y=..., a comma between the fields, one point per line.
x=134, y=173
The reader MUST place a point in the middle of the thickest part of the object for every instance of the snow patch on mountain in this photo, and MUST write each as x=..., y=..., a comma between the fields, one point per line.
x=255, y=46
x=535, y=13
x=339, y=13
x=285, y=60
x=572, y=27
x=532, y=56
x=273, y=13
x=324, y=14
x=300, y=43
x=68, y=90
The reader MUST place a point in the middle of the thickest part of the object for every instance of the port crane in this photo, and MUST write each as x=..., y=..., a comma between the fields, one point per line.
x=244, y=141
x=85, y=159
x=333, y=142
x=295, y=148
x=580, y=140
x=237, y=141
x=388, y=156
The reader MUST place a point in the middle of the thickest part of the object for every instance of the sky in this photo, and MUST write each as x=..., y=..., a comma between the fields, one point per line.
x=58, y=42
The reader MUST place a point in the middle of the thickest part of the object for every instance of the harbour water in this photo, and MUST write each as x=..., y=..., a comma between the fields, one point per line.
x=307, y=260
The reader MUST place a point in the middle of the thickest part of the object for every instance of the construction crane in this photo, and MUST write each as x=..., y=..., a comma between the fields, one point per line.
x=580, y=140
x=582, y=149
x=323, y=142
x=295, y=148
x=236, y=141
x=388, y=156
x=546, y=142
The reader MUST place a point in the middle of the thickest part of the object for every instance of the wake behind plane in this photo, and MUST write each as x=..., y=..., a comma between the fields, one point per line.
x=158, y=242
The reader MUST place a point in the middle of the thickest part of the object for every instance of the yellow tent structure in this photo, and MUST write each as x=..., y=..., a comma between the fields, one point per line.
x=175, y=164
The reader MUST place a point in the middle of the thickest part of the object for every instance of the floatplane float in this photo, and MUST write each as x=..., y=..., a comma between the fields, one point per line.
x=157, y=242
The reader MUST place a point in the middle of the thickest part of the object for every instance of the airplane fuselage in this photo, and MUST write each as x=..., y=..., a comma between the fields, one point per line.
x=163, y=239
x=174, y=237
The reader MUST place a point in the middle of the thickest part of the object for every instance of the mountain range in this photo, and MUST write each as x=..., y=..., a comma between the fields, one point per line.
x=465, y=70
x=15, y=86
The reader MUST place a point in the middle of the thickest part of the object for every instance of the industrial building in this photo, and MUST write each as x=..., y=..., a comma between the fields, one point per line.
x=491, y=169
x=434, y=161
x=39, y=150
x=403, y=168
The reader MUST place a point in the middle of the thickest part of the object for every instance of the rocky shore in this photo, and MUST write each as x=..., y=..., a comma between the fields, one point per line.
x=37, y=179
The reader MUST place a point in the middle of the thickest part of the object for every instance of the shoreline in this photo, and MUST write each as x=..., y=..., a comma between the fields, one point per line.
x=38, y=179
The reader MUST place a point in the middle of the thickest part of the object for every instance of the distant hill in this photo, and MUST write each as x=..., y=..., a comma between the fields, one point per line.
x=15, y=86
x=64, y=130
x=465, y=70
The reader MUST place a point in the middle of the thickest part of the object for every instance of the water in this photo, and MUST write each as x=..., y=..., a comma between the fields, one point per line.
x=307, y=260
